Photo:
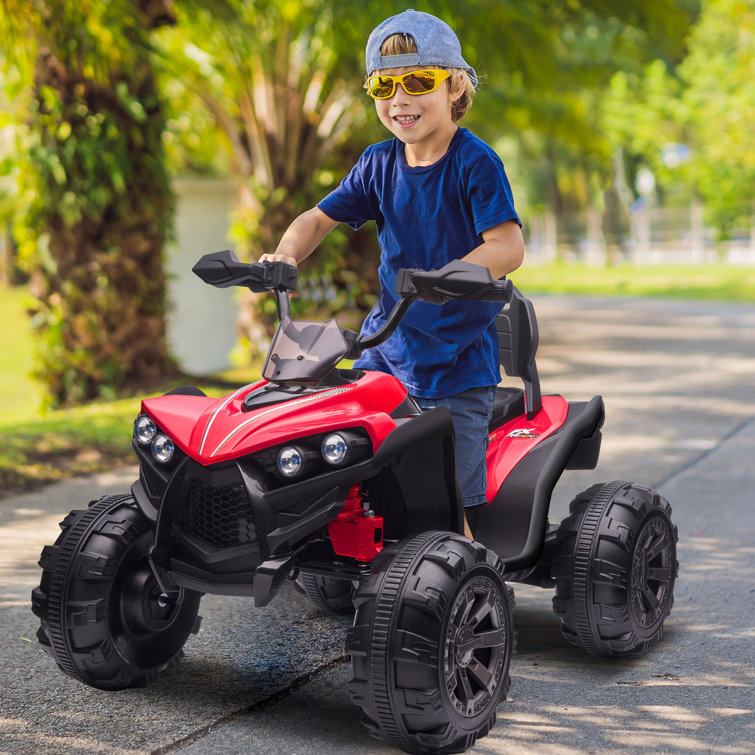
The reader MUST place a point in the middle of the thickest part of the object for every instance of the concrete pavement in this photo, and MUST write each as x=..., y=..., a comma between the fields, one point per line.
x=679, y=384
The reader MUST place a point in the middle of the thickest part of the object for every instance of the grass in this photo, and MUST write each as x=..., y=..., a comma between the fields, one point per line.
x=20, y=396
x=709, y=282
x=70, y=442
x=66, y=443
x=38, y=448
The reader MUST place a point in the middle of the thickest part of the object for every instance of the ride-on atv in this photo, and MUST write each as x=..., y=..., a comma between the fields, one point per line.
x=333, y=478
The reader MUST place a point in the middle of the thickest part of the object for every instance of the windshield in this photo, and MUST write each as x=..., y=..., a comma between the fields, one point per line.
x=304, y=352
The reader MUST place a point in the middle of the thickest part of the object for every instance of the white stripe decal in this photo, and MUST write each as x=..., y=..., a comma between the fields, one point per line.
x=217, y=411
x=277, y=407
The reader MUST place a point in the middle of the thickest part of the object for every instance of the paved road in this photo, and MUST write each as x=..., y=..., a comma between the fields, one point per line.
x=679, y=384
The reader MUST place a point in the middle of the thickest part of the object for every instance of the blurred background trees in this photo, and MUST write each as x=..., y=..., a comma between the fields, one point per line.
x=691, y=124
x=95, y=200
x=592, y=104
x=277, y=80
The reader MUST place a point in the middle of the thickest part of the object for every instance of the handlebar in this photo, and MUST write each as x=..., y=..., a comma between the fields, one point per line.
x=457, y=280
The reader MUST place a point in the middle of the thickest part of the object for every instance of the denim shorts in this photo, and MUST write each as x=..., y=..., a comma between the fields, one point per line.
x=471, y=411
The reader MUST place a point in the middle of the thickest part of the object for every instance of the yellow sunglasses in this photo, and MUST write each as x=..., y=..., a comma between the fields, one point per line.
x=414, y=82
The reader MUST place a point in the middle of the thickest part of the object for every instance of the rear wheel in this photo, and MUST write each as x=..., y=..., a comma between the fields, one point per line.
x=431, y=643
x=104, y=618
x=615, y=569
x=327, y=593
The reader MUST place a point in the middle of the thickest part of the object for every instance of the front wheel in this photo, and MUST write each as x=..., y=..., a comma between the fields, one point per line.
x=431, y=643
x=104, y=618
x=615, y=569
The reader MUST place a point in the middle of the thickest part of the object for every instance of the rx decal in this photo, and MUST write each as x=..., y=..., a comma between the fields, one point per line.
x=522, y=433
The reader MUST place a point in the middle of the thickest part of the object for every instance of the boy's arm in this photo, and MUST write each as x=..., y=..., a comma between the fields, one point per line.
x=502, y=250
x=301, y=237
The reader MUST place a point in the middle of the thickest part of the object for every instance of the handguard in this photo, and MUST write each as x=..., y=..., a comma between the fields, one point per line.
x=223, y=269
x=456, y=280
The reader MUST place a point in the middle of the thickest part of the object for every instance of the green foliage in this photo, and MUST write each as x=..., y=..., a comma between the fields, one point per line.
x=718, y=103
x=544, y=76
x=95, y=198
x=194, y=145
x=641, y=115
x=706, y=104
x=282, y=82
x=8, y=169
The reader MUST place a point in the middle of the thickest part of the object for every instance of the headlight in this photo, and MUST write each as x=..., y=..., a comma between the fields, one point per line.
x=299, y=459
x=289, y=461
x=163, y=448
x=144, y=430
x=334, y=449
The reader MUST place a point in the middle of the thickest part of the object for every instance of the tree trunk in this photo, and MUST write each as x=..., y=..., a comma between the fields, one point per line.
x=104, y=209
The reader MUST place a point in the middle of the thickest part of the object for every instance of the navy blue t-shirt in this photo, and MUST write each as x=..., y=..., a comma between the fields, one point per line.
x=426, y=217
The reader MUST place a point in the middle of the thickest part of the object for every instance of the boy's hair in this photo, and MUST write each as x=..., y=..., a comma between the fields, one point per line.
x=403, y=44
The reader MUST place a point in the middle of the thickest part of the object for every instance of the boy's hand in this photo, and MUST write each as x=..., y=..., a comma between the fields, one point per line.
x=301, y=237
x=278, y=257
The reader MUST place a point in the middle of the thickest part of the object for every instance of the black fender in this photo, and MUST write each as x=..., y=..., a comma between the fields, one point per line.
x=415, y=488
x=513, y=524
x=410, y=481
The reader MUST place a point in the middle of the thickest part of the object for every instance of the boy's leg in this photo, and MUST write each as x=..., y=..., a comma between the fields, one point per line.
x=471, y=411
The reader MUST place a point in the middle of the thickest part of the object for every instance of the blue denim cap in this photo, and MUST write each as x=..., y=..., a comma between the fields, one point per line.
x=437, y=44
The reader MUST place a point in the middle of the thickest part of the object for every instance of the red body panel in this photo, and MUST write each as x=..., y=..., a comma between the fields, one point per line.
x=214, y=430
x=505, y=450
x=178, y=415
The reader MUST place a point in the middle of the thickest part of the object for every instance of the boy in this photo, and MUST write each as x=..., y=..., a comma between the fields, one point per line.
x=436, y=193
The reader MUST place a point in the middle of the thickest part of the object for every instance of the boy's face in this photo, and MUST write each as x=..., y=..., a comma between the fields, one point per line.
x=421, y=121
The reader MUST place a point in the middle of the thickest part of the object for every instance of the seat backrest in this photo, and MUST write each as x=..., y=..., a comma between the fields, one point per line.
x=517, y=342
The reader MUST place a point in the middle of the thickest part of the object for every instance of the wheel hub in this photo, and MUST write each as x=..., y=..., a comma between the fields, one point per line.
x=144, y=606
x=474, y=647
x=464, y=646
x=652, y=572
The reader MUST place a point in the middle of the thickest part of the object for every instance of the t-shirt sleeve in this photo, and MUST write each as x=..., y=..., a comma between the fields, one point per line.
x=489, y=194
x=348, y=202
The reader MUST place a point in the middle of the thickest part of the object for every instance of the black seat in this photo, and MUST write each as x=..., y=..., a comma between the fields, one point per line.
x=517, y=342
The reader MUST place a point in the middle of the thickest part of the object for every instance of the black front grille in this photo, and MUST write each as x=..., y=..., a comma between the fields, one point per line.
x=219, y=516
